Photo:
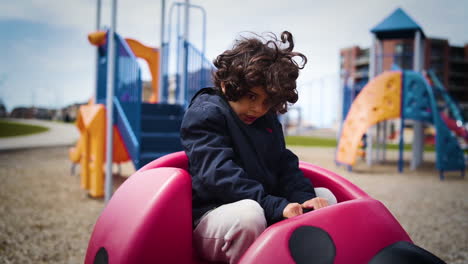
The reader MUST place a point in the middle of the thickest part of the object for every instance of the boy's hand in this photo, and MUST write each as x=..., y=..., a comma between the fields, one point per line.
x=315, y=203
x=291, y=210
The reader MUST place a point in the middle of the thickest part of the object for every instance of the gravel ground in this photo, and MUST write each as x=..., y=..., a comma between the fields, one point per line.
x=433, y=212
x=46, y=218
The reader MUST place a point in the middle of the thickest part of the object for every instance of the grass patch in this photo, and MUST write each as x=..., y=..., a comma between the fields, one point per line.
x=310, y=141
x=331, y=143
x=12, y=129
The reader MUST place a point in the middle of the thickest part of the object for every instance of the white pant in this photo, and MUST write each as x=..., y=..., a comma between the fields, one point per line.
x=225, y=233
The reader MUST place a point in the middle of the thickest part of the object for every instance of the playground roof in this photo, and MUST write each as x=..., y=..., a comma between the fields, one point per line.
x=397, y=25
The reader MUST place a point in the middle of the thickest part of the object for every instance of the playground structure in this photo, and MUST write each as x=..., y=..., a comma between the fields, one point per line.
x=142, y=131
x=409, y=95
x=149, y=219
x=141, y=224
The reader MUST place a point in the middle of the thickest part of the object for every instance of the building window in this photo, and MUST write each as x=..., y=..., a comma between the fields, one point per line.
x=403, y=55
x=399, y=49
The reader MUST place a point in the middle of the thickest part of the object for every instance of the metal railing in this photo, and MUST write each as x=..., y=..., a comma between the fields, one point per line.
x=190, y=70
x=127, y=92
x=165, y=72
x=199, y=71
x=127, y=96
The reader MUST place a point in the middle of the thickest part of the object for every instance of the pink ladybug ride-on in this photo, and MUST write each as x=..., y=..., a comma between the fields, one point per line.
x=149, y=220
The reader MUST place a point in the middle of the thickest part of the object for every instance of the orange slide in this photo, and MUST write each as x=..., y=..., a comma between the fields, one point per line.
x=379, y=100
x=90, y=149
x=149, y=54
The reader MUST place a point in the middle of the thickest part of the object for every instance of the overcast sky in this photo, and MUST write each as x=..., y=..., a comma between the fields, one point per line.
x=46, y=60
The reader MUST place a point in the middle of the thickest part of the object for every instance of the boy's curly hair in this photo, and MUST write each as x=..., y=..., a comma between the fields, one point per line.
x=257, y=61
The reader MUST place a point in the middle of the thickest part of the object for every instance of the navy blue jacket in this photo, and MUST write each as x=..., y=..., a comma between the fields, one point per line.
x=230, y=161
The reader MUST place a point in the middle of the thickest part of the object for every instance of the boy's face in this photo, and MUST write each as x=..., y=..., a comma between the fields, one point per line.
x=251, y=106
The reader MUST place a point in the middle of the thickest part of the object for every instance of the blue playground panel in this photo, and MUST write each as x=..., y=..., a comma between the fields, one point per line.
x=149, y=131
x=350, y=92
x=419, y=104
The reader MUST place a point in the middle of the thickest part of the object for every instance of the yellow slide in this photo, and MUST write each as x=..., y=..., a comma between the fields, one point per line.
x=379, y=100
x=90, y=149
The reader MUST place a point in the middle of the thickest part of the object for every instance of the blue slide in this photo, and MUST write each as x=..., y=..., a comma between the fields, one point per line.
x=419, y=103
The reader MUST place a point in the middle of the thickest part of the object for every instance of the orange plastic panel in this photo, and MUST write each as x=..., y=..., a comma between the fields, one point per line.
x=151, y=56
x=97, y=38
x=90, y=149
x=379, y=100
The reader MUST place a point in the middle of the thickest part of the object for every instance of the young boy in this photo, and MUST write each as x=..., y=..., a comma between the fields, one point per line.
x=243, y=177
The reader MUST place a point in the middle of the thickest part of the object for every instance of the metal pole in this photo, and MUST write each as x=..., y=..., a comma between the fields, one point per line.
x=161, y=51
x=378, y=138
x=384, y=146
x=109, y=102
x=179, y=56
x=418, y=131
x=379, y=68
x=383, y=126
x=372, y=68
x=167, y=62
x=204, y=32
x=401, y=144
x=183, y=87
x=376, y=129
x=98, y=26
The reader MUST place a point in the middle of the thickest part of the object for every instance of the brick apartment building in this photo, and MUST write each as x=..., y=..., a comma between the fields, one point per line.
x=450, y=63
